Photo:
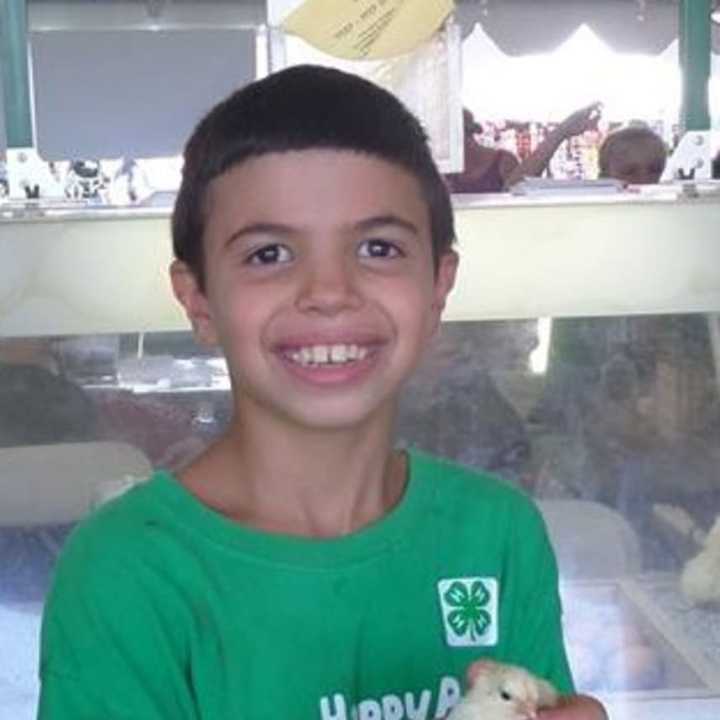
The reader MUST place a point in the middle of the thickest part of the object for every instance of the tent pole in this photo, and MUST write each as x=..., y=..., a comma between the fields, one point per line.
x=15, y=74
x=694, y=44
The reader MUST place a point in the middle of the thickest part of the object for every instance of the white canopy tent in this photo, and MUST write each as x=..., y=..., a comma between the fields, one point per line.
x=582, y=70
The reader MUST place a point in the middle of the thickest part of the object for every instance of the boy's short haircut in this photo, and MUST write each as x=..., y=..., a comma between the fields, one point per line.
x=624, y=137
x=302, y=108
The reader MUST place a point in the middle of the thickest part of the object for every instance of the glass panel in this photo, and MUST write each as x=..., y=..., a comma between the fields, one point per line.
x=612, y=424
x=96, y=92
x=91, y=410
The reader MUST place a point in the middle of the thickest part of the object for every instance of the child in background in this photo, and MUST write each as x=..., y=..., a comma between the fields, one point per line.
x=635, y=154
x=301, y=567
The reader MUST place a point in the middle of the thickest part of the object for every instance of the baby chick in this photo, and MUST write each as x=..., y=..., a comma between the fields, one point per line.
x=700, y=579
x=503, y=692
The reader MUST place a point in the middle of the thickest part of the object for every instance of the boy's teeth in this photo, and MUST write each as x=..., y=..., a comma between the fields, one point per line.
x=320, y=354
x=328, y=354
x=338, y=353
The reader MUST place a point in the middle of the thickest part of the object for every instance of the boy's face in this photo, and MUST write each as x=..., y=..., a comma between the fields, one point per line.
x=320, y=286
x=638, y=163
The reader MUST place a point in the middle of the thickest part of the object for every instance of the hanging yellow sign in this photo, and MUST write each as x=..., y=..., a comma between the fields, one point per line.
x=367, y=29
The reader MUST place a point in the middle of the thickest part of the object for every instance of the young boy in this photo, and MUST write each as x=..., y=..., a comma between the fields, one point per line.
x=302, y=568
x=635, y=154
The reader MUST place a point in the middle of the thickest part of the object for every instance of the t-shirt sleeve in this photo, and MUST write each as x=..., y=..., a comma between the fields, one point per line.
x=113, y=642
x=536, y=615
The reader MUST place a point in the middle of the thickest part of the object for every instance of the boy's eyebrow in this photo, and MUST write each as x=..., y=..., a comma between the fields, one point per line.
x=365, y=225
x=261, y=228
x=377, y=221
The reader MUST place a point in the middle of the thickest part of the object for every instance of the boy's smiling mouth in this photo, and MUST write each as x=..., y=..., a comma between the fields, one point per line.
x=321, y=355
x=326, y=361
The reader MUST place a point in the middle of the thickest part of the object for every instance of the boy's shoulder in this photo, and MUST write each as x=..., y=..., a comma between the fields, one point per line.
x=475, y=488
x=472, y=509
x=118, y=527
x=133, y=504
x=114, y=579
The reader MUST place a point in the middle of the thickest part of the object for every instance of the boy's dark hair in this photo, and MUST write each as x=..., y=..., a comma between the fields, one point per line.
x=624, y=137
x=302, y=108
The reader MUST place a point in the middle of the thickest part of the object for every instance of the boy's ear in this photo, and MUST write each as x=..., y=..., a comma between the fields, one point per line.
x=188, y=294
x=444, y=282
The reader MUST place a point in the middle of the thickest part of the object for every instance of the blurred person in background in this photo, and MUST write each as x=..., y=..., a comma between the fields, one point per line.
x=38, y=407
x=42, y=402
x=490, y=170
x=486, y=170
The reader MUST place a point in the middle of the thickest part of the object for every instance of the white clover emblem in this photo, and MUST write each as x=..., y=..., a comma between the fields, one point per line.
x=469, y=616
x=469, y=607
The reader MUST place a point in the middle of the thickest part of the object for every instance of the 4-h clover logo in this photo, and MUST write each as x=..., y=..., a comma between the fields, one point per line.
x=469, y=609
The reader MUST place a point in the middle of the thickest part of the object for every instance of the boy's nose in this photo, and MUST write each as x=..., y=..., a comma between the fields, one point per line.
x=329, y=287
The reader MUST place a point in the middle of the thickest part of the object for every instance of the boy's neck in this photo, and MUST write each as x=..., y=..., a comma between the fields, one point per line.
x=306, y=483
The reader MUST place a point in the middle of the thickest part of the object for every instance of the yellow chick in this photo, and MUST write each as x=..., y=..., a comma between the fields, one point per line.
x=503, y=692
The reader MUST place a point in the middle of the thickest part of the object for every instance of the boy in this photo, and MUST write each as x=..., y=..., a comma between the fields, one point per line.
x=301, y=568
x=635, y=154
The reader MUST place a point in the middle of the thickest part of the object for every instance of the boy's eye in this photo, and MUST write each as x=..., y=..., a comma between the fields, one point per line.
x=379, y=249
x=270, y=254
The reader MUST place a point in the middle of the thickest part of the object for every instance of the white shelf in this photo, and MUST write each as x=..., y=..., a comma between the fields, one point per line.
x=103, y=271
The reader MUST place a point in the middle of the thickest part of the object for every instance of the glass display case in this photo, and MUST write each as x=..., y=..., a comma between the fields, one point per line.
x=579, y=361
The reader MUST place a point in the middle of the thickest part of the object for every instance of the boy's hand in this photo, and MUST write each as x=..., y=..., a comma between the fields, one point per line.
x=575, y=707
x=581, y=120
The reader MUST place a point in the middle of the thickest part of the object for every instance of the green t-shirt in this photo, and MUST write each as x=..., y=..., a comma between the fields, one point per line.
x=163, y=608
